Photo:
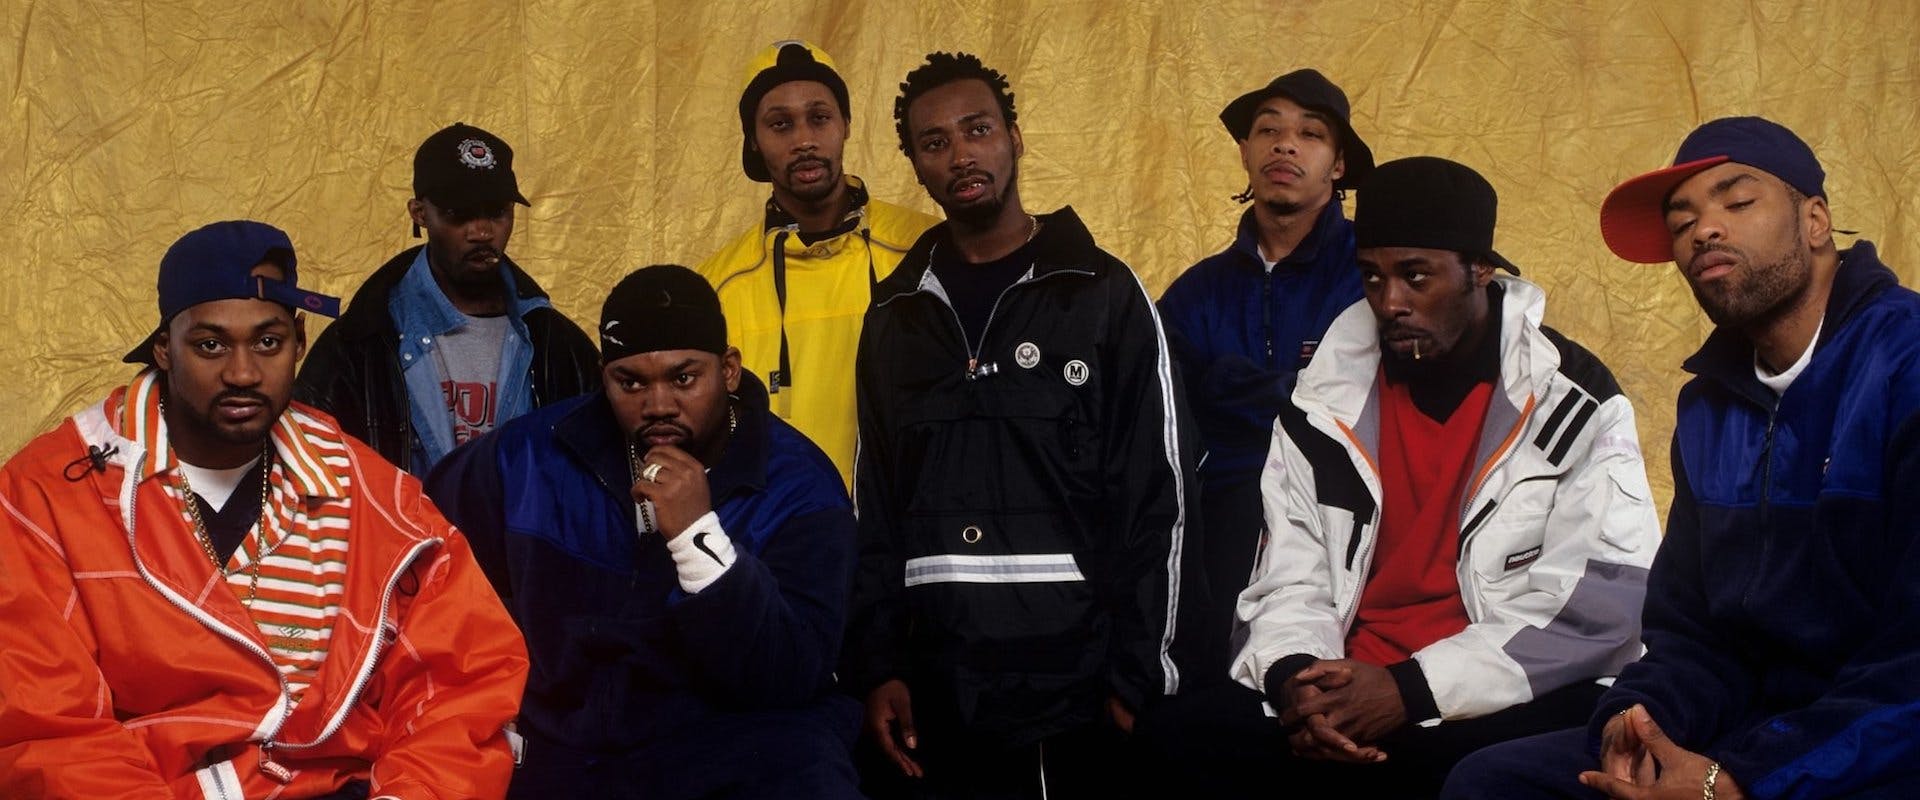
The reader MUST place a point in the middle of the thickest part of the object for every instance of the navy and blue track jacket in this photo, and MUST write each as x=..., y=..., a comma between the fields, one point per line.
x=1783, y=611
x=1240, y=334
x=622, y=656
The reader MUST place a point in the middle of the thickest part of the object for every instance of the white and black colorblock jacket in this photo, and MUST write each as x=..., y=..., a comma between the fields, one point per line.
x=1557, y=525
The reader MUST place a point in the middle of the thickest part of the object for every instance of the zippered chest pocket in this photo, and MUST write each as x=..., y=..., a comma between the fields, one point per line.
x=1003, y=443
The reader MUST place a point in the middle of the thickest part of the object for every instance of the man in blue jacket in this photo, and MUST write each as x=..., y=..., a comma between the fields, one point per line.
x=1244, y=320
x=679, y=560
x=1782, y=618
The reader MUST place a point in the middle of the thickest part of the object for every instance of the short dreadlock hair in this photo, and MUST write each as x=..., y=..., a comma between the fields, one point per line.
x=940, y=70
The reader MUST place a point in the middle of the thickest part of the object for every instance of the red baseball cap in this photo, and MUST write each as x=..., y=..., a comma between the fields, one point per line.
x=1633, y=219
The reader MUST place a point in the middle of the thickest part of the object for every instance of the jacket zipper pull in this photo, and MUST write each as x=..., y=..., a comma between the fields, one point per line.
x=271, y=768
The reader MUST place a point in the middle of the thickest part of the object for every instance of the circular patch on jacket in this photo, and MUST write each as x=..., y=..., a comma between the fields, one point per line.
x=1026, y=355
x=476, y=154
x=1076, y=372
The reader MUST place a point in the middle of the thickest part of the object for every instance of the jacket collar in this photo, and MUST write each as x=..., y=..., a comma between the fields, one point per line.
x=1246, y=240
x=592, y=434
x=1340, y=381
x=777, y=217
x=1727, y=355
x=1063, y=244
x=135, y=413
x=367, y=313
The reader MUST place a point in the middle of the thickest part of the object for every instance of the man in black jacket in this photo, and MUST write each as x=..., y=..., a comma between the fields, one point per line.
x=1021, y=481
x=450, y=339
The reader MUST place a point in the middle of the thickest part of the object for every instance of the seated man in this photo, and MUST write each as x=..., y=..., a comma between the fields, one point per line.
x=1458, y=518
x=679, y=559
x=1783, y=612
x=209, y=591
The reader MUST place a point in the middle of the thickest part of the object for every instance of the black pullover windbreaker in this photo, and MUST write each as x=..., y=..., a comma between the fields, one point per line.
x=1024, y=509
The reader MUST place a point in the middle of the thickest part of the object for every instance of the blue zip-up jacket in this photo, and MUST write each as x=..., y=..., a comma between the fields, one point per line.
x=622, y=656
x=1240, y=334
x=1782, y=619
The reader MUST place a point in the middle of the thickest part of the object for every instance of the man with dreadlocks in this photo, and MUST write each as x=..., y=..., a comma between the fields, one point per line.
x=1020, y=478
x=1244, y=320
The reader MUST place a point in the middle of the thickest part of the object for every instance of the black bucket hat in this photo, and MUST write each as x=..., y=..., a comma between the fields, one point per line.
x=1311, y=90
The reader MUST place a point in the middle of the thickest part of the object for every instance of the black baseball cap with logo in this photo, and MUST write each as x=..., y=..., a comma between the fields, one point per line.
x=465, y=168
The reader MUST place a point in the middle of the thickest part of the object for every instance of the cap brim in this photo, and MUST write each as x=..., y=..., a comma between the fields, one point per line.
x=450, y=197
x=1357, y=157
x=753, y=164
x=297, y=299
x=142, y=353
x=1500, y=261
x=1633, y=218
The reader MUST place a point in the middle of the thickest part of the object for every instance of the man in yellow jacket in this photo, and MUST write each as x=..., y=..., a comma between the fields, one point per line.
x=796, y=286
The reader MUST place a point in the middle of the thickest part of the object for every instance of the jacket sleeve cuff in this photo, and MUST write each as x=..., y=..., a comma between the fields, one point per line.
x=701, y=553
x=1275, y=684
x=1415, y=694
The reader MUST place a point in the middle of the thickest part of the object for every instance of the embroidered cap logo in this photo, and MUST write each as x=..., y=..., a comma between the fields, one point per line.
x=476, y=154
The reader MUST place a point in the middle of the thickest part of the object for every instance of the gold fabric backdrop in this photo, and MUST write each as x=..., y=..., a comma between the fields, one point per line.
x=131, y=123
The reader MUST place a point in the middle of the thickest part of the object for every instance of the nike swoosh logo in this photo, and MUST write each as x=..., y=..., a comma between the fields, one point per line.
x=700, y=543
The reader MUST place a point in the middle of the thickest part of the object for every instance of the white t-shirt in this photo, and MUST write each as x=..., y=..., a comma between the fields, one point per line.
x=216, y=485
x=1779, y=383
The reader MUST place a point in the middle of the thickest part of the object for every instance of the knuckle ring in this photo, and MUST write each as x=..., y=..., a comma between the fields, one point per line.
x=651, y=474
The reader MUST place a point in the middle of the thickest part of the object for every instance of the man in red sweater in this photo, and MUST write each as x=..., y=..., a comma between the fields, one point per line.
x=1458, y=525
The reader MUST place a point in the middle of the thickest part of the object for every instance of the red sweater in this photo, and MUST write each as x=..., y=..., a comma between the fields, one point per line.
x=1412, y=597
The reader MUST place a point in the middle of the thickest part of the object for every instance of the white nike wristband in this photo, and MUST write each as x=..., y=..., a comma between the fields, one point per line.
x=701, y=553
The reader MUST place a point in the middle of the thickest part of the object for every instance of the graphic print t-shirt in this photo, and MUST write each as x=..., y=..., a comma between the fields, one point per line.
x=471, y=368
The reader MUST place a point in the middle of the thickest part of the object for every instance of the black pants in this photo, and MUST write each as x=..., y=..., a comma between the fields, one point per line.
x=1092, y=761
x=1231, y=517
x=1219, y=743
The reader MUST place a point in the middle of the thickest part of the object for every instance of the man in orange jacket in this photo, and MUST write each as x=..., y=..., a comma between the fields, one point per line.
x=209, y=591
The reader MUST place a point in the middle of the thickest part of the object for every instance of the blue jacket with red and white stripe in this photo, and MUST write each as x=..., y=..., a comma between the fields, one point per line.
x=1242, y=332
x=1783, y=610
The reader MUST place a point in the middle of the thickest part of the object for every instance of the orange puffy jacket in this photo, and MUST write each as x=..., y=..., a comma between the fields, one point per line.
x=128, y=669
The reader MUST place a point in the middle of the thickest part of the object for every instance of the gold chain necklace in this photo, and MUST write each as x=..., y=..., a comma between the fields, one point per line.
x=206, y=539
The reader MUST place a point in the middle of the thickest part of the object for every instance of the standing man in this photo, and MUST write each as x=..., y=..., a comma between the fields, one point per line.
x=1244, y=320
x=449, y=339
x=210, y=591
x=796, y=286
x=1022, y=480
x=679, y=559
x=1460, y=522
x=1783, y=611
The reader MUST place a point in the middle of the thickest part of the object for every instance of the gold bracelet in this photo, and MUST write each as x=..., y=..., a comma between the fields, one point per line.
x=1713, y=773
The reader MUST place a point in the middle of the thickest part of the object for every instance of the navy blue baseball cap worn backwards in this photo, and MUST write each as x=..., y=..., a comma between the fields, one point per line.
x=1633, y=220
x=216, y=263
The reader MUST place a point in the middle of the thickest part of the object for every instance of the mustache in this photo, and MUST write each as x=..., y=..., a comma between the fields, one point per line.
x=242, y=394
x=1389, y=330
x=983, y=177
x=809, y=162
x=1711, y=249
x=663, y=427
